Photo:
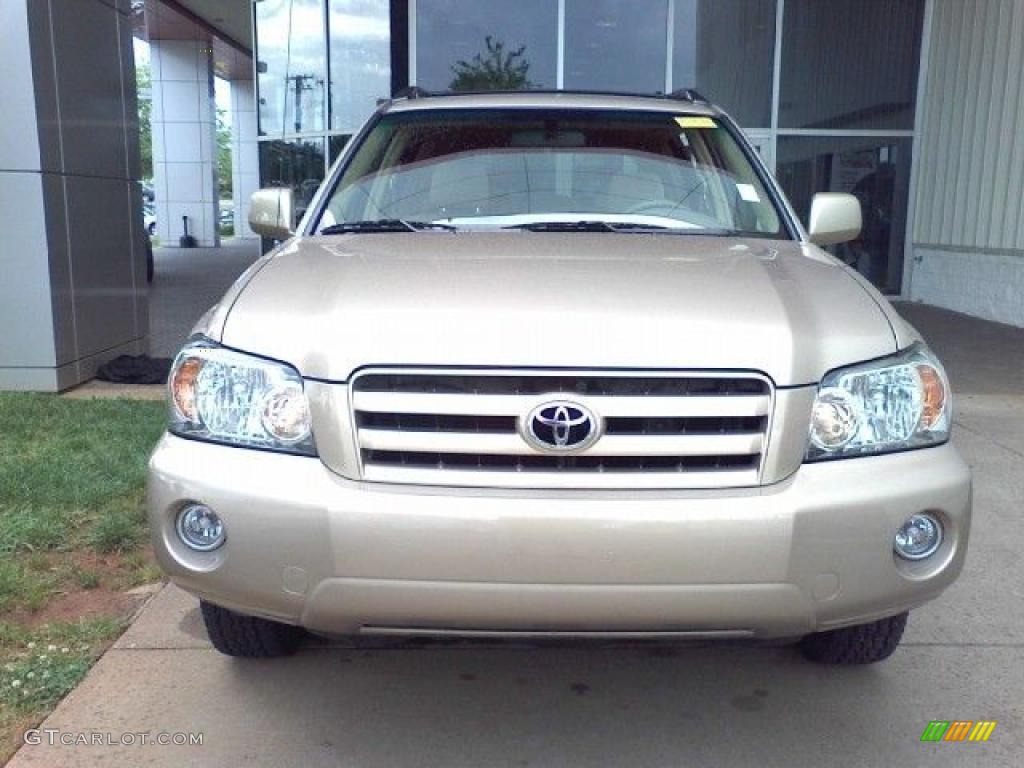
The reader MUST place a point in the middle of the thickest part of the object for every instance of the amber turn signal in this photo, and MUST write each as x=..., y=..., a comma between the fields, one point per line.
x=183, y=388
x=933, y=399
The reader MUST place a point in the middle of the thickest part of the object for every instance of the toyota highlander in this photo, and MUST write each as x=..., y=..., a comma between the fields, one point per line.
x=557, y=365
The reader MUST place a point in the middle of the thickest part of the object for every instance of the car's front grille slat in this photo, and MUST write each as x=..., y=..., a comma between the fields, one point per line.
x=542, y=383
x=609, y=406
x=484, y=478
x=512, y=444
x=657, y=430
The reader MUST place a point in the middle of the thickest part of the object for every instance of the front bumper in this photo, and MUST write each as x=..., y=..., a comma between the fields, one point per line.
x=307, y=546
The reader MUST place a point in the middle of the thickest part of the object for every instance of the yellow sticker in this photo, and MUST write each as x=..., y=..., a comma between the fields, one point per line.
x=691, y=121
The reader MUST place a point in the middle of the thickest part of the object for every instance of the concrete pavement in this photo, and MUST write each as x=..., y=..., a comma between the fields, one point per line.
x=187, y=282
x=436, y=704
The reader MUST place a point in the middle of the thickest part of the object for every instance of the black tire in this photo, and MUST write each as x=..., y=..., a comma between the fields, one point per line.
x=860, y=644
x=235, y=634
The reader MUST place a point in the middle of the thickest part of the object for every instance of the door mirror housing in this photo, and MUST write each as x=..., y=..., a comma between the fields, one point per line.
x=272, y=213
x=835, y=218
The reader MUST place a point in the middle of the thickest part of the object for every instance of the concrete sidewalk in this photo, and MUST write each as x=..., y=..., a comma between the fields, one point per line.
x=508, y=705
x=187, y=282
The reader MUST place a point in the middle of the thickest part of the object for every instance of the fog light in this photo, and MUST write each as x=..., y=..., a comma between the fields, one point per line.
x=919, y=537
x=200, y=528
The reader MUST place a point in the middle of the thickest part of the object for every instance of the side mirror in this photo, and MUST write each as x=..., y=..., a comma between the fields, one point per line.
x=272, y=213
x=835, y=218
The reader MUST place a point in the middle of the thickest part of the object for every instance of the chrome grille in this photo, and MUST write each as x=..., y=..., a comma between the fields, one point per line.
x=659, y=430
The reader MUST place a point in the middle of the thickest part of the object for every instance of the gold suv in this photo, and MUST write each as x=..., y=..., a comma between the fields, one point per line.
x=557, y=365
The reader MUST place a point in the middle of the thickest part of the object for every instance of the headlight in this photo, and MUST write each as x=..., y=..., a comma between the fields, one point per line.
x=223, y=396
x=887, y=405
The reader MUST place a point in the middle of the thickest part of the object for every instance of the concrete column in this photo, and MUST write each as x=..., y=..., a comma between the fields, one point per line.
x=184, y=123
x=73, y=288
x=245, y=167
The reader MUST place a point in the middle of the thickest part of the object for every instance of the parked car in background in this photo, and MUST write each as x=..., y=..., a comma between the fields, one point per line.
x=226, y=217
x=149, y=218
x=557, y=365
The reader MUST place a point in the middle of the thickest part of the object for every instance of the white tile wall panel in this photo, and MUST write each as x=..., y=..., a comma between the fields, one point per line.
x=968, y=231
x=19, y=139
x=971, y=132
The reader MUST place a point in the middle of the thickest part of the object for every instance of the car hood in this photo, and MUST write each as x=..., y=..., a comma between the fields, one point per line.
x=331, y=305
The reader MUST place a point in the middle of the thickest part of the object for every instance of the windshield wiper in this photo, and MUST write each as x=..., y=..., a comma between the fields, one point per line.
x=565, y=226
x=622, y=228
x=586, y=225
x=383, y=225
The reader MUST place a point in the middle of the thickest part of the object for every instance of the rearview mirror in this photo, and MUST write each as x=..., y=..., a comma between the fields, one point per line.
x=835, y=218
x=272, y=213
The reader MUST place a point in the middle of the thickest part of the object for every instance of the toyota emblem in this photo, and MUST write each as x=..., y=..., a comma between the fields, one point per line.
x=561, y=426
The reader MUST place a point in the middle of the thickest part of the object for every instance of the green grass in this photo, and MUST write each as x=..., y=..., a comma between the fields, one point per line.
x=39, y=666
x=86, y=578
x=119, y=530
x=63, y=454
x=23, y=587
x=72, y=477
x=138, y=571
x=24, y=529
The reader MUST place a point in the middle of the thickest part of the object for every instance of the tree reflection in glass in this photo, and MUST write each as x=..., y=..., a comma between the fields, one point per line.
x=495, y=69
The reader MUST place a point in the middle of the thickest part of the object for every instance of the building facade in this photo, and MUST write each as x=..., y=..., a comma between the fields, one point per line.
x=72, y=258
x=836, y=95
x=915, y=106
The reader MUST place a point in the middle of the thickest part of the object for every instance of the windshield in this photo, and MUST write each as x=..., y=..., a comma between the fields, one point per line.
x=492, y=168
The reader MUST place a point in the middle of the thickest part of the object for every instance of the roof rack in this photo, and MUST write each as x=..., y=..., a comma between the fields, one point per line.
x=688, y=94
x=681, y=94
x=415, y=92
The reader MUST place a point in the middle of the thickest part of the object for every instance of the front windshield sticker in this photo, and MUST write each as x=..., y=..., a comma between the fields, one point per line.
x=748, y=192
x=691, y=121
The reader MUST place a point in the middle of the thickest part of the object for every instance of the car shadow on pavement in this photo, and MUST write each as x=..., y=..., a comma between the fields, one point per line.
x=588, y=705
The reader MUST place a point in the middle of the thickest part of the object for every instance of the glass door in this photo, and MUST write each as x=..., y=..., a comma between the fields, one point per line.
x=876, y=169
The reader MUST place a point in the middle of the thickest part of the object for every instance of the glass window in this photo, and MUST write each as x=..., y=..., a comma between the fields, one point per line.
x=877, y=171
x=524, y=167
x=296, y=164
x=615, y=46
x=291, y=50
x=360, y=38
x=477, y=45
x=725, y=49
x=850, y=64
